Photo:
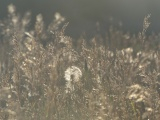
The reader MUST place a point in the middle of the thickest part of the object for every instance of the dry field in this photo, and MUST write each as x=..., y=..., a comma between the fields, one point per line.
x=46, y=75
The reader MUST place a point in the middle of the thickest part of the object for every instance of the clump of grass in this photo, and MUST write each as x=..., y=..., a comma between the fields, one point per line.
x=45, y=75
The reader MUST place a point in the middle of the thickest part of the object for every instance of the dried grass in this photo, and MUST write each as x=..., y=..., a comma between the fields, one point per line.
x=45, y=75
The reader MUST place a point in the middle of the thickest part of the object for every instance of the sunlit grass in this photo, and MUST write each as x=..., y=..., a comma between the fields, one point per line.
x=45, y=75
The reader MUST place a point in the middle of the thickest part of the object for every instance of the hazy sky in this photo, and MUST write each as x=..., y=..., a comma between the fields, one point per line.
x=82, y=15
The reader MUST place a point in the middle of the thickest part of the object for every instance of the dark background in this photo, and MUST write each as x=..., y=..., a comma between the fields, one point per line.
x=83, y=15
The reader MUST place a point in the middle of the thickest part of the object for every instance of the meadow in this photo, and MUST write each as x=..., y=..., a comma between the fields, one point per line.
x=46, y=75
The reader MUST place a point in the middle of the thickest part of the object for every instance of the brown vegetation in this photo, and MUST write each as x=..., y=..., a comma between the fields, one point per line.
x=45, y=75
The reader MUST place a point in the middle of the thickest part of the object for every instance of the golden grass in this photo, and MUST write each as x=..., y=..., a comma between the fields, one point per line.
x=45, y=75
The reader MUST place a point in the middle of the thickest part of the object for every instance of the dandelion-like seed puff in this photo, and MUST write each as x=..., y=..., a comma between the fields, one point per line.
x=72, y=75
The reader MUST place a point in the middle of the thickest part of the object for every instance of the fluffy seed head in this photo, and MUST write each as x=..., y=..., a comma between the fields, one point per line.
x=73, y=74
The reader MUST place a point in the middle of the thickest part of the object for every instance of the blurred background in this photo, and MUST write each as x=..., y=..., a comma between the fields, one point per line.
x=87, y=16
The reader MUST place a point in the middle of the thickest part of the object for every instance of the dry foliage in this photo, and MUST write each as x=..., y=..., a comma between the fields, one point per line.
x=46, y=75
